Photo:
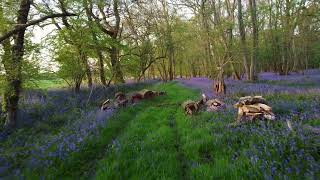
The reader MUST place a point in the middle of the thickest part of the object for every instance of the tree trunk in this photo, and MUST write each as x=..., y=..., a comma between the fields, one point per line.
x=98, y=50
x=171, y=59
x=6, y=61
x=101, y=68
x=235, y=74
x=180, y=68
x=84, y=59
x=14, y=73
x=229, y=54
x=77, y=87
x=253, y=11
x=116, y=67
x=219, y=87
x=243, y=40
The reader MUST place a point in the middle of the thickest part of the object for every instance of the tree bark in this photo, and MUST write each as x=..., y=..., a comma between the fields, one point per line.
x=116, y=67
x=111, y=30
x=98, y=50
x=243, y=40
x=84, y=60
x=101, y=68
x=171, y=59
x=6, y=60
x=14, y=74
x=234, y=71
x=253, y=11
x=219, y=87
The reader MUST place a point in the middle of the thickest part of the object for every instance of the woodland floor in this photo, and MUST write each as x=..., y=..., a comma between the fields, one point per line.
x=155, y=140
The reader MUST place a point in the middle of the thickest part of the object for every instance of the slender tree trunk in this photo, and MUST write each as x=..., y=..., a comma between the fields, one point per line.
x=153, y=72
x=171, y=59
x=98, y=50
x=115, y=64
x=234, y=71
x=84, y=60
x=243, y=40
x=6, y=61
x=101, y=68
x=14, y=73
x=77, y=86
x=219, y=86
x=253, y=12
x=180, y=68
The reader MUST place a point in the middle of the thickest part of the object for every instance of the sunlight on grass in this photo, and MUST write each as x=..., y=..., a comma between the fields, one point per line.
x=45, y=84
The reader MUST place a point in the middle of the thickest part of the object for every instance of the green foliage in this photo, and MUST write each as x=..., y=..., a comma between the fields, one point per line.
x=71, y=69
x=315, y=58
x=313, y=122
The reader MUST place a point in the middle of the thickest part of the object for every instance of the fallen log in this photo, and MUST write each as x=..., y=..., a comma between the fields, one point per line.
x=121, y=103
x=136, y=97
x=106, y=105
x=159, y=93
x=120, y=100
x=190, y=107
x=119, y=96
x=203, y=101
x=214, y=105
x=147, y=94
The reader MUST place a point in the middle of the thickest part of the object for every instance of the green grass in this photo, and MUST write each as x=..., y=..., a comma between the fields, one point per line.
x=156, y=140
x=313, y=122
x=45, y=84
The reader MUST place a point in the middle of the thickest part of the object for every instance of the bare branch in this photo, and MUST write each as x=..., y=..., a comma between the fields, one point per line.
x=34, y=22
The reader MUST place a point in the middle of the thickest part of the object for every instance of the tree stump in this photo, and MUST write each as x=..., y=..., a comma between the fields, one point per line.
x=251, y=108
x=219, y=87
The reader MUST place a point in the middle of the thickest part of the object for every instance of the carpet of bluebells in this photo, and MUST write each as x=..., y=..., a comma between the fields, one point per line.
x=57, y=123
x=278, y=152
x=54, y=123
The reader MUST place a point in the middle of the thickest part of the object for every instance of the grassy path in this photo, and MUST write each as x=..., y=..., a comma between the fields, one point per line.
x=150, y=147
x=183, y=167
x=82, y=164
x=161, y=142
x=156, y=140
